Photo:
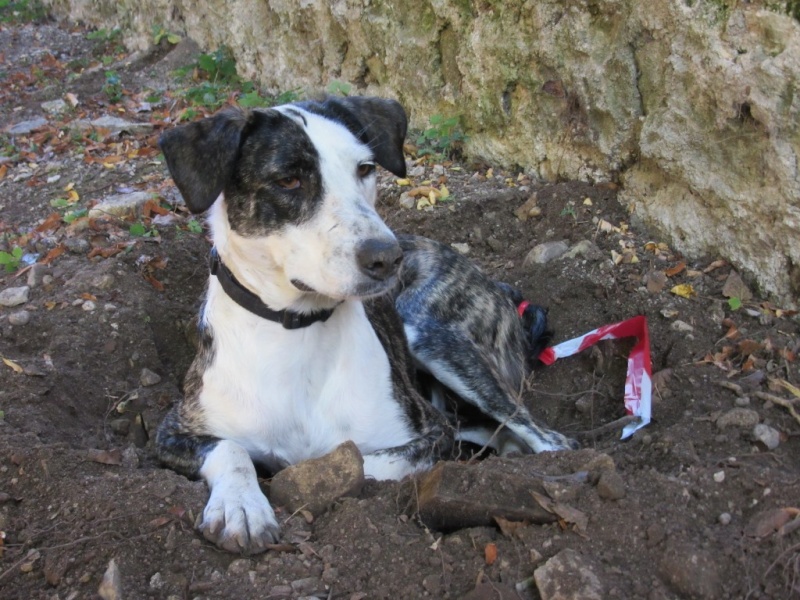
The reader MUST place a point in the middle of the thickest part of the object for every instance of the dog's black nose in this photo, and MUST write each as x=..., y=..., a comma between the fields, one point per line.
x=379, y=258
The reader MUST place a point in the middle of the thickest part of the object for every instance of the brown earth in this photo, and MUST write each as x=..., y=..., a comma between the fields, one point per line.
x=79, y=483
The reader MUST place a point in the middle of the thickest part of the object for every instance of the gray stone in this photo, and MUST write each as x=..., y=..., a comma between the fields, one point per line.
x=315, y=484
x=738, y=417
x=19, y=318
x=77, y=245
x=111, y=585
x=36, y=274
x=769, y=436
x=114, y=124
x=307, y=586
x=407, y=200
x=148, y=377
x=681, y=326
x=240, y=566
x=54, y=107
x=460, y=248
x=544, y=253
x=690, y=571
x=120, y=205
x=584, y=249
x=26, y=127
x=568, y=576
x=14, y=296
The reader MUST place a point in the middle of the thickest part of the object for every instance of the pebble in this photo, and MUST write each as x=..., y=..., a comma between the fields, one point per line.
x=568, y=576
x=148, y=377
x=544, y=253
x=77, y=245
x=725, y=519
x=156, y=581
x=54, y=107
x=438, y=170
x=307, y=585
x=26, y=127
x=280, y=591
x=14, y=296
x=407, y=200
x=742, y=401
x=240, y=566
x=611, y=486
x=111, y=586
x=120, y=205
x=738, y=417
x=36, y=274
x=88, y=306
x=19, y=318
x=460, y=248
x=681, y=326
x=719, y=476
x=417, y=171
x=769, y=436
x=585, y=249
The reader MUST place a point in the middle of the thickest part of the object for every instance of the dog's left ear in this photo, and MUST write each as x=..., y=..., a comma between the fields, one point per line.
x=384, y=125
x=201, y=156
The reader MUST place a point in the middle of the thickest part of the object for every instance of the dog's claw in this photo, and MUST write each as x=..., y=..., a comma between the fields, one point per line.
x=242, y=524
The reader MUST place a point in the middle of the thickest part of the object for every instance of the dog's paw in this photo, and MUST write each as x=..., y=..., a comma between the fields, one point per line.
x=547, y=440
x=241, y=522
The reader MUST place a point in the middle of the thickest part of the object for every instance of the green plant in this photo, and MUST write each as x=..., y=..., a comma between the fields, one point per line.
x=21, y=11
x=73, y=215
x=113, y=87
x=106, y=42
x=160, y=33
x=339, y=88
x=140, y=230
x=194, y=226
x=735, y=303
x=569, y=210
x=11, y=260
x=443, y=139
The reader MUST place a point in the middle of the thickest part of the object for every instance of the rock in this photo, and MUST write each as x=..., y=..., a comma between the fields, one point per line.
x=544, y=253
x=690, y=571
x=55, y=566
x=36, y=274
x=738, y=417
x=417, y=171
x=681, y=326
x=26, y=127
x=586, y=249
x=765, y=434
x=725, y=519
x=407, y=200
x=130, y=459
x=568, y=576
x=584, y=404
x=495, y=244
x=611, y=486
x=490, y=590
x=148, y=377
x=19, y=318
x=460, y=248
x=89, y=306
x=14, y=296
x=120, y=205
x=454, y=496
x=280, y=591
x=742, y=401
x=240, y=566
x=524, y=211
x=315, y=484
x=54, y=107
x=77, y=245
x=111, y=586
x=307, y=586
x=156, y=581
x=115, y=125
x=120, y=426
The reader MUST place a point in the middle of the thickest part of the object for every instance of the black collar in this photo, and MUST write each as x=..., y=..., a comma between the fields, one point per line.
x=249, y=301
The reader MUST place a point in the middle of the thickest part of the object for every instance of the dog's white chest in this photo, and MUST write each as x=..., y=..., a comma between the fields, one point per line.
x=289, y=395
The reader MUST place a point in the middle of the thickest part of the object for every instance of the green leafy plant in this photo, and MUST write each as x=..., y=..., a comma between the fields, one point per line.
x=569, y=211
x=11, y=260
x=735, y=303
x=73, y=215
x=443, y=139
x=140, y=230
x=160, y=33
x=339, y=88
x=21, y=11
x=113, y=87
x=194, y=226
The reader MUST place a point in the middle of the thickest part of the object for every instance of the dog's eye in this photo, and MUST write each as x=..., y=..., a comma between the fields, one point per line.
x=366, y=169
x=289, y=183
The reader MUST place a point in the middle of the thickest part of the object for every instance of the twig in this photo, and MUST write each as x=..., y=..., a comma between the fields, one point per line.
x=612, y=426
x=787, y=404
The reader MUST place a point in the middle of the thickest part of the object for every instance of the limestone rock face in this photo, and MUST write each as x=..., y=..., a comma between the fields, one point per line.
x=695, y=109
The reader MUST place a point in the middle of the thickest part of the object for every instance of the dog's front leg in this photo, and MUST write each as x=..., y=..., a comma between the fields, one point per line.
x=237, y=517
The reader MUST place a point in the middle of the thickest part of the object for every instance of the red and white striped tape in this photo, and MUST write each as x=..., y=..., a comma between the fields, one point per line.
x=638, y=381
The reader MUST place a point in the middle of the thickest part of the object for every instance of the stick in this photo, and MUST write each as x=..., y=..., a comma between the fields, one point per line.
x=787, y=404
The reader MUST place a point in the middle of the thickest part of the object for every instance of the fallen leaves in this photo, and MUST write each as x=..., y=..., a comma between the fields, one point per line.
x=565, y=513
x=105, y=457
x=684, y=290
x=490, y=553
x=779, y=520
x=12, y=365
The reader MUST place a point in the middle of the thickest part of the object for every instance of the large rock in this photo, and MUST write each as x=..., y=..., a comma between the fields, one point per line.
x=693, y=105
x=568, y=576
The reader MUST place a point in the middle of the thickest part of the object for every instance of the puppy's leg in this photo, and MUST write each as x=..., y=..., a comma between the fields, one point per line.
x=418, y=455
x=456, y=361
x=237, y=517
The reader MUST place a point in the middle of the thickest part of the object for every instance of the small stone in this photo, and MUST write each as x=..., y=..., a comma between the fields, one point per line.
x=307, y=586
x=120, y=426
x=611, y=486
x=156, y=581
x=432, y=584
x=742, y=401
x=130, y=459
x=317, y=483
x=524, y=211
x=115, y=125
x=655, y=534
x=460, y=248
x=407, y=200
x=105, y=281
x=438, y=170
x=585, y=249
x=568, y=576
x=19, y=318
x=690, y=571
x=14, y=296
x=738, y=417
x=280, y=591
x=417, y=171
x=120, y=205
x=765, y=434
x=54, y=107
x=544, y=253
x=495, y=244
x=736, y=288
x=111, y=586
x=26, y=127
x=36, y=274
x=725, y=519
x=108, y=307
x=719, y=476
x=681, y=326
x=89, y=306
x=77, y=245
x=240, y=566
x=584, y=404
x=148, y=377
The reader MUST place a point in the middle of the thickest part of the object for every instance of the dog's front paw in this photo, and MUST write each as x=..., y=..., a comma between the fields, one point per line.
x=238, y=521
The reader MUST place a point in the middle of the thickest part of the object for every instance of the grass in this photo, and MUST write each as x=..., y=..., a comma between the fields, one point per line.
x=443, y=139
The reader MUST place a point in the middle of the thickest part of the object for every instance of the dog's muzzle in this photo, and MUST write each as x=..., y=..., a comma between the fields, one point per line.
x=379, y=258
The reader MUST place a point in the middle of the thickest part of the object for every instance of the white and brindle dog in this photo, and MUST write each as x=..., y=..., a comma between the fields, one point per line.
x=312, y=307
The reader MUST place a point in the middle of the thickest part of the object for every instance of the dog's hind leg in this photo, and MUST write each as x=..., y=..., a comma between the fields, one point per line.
x=457, y=362
x=419, y=454
x=237, y=517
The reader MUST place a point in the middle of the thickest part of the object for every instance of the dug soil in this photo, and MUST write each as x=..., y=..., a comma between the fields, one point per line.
x=703, y=502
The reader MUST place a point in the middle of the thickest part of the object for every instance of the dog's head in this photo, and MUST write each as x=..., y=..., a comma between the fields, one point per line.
x=298, y=189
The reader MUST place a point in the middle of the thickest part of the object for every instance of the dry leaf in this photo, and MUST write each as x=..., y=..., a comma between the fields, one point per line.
x=715, y=265
x=655, y=281
x=684, y=290
x=3, y=170
x=14, y=366
x=769, y=521
x=53, y=221
x=681, y=266
x=54, y=254
x=748, y=347
x=490, y=553
x=567, y=513
x=510, y=529
x=735, y=288
x=105, y=457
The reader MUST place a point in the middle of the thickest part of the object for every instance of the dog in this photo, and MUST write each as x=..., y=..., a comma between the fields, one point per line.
x=317, y=319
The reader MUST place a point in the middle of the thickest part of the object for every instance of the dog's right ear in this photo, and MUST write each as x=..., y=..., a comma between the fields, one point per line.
x=201, y=156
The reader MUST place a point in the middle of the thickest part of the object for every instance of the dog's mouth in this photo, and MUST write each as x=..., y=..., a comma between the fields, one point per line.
x=303, y=287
